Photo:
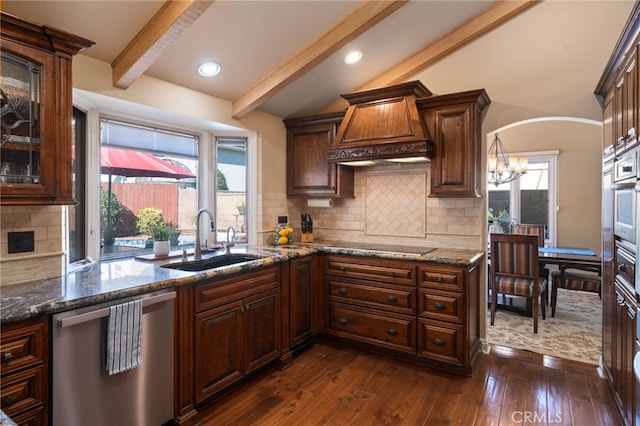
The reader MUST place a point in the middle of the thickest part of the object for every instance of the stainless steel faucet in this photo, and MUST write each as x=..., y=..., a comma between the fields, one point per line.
x=197, y=254
x=230, y=242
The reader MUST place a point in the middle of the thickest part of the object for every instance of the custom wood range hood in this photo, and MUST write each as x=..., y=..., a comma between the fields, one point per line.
x=383, y=125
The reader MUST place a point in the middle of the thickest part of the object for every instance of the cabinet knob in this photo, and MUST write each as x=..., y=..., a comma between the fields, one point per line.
x=392, y=332
x=342, y=321
x=620, y=300
x=391, y=274
x=342, y=291
x=438, y=342
x=439, y=279
x=392, y=298
x=439, y=306
x=7, y=356
x=8, y=401
x=342, y=269
x=241, y=308
x=622, y=267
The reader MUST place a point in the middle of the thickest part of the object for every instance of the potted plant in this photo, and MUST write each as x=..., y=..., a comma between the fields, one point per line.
x=498, y=221
x=241, y=208
x=161, y=234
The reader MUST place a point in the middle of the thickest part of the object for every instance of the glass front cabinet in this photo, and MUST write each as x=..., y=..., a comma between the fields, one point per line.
x=36, y=104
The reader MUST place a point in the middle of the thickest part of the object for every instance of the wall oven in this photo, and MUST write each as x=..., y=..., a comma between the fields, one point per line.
x=626, y=186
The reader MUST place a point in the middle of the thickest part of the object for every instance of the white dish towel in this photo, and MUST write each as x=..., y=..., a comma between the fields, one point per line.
x=124, y=333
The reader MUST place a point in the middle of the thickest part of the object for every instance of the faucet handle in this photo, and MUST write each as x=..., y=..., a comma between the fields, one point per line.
x=212, y=224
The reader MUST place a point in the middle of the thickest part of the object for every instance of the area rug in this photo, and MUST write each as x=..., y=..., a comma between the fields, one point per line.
x=575, y=332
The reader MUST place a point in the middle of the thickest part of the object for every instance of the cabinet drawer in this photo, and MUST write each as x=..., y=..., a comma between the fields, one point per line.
x=21, y=391
x=21, y=347
x=30, y=418
x=447, y=306
x=398, y=299
x=393, y=331
x=441, y=278
x=441, y=341
x=220, y=292
x=382, y=270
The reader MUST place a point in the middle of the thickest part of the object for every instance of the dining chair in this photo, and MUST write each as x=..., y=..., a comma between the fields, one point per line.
x=531, y=229
x=569, y=279
x=515, y=271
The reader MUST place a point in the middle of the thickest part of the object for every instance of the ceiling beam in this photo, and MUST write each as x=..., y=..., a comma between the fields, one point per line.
x=487, y=20
x=155, y=38
x=356, y=23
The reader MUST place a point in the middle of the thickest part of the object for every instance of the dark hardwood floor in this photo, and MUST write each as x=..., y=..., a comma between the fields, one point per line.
x=331, y=384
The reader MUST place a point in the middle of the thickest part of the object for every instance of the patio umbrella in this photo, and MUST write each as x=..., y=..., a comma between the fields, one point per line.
x=129, y=163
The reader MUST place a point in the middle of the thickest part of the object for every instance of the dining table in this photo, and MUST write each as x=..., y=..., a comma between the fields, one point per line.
x=560, y=257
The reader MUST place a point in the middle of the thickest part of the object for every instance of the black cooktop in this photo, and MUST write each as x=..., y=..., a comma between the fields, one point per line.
x=381, y=247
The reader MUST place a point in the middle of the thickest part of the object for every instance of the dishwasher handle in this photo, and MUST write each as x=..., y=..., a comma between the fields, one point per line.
x=104, y=312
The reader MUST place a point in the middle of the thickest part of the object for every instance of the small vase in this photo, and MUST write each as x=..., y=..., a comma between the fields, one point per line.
x=161, y=248
x=495, y=228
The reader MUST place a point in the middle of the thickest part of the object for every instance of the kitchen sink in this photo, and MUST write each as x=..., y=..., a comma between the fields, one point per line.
x=211, y=262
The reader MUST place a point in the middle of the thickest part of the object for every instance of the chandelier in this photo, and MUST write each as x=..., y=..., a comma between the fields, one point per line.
x=502, y=168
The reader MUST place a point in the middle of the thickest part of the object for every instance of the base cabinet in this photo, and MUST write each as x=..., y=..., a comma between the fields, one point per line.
x=302, y=299
x=426, y=310
x=228, y=328
x=24, y=380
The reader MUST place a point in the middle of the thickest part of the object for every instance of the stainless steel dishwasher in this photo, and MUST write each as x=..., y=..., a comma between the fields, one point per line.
x=85, y=394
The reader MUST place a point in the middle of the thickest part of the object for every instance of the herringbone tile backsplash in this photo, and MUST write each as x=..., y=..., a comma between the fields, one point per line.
x=395, y=204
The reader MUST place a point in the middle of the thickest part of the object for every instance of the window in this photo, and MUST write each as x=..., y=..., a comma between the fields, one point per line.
x=76, y=218
x=532, y=198
x=231, y=187
x=147, y=176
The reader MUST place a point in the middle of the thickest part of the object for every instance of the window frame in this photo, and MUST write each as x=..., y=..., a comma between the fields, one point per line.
x=551, y=157
x=206, y=157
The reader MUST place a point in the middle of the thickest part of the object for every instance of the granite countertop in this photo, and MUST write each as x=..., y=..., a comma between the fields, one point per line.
x=105, y=281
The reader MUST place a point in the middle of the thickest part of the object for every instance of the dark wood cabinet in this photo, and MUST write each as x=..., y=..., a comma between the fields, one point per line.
x=302, y=299
x=624, y=349
x=372, y=301
x=423, y=310
x=619, y=93
x=24, y=378
x=455, y=122
x=449, y=331
x=626, y=103
x=309, y=174
x=227, y=328
x=36, y=157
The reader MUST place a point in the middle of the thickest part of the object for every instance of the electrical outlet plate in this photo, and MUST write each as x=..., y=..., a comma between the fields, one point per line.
x=21, y=242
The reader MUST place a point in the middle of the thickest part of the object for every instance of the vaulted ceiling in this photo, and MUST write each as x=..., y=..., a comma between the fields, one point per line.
x=286, y=58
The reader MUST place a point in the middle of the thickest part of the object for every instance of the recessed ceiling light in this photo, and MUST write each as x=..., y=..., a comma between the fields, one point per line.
x=209, y=69
x=353, y=57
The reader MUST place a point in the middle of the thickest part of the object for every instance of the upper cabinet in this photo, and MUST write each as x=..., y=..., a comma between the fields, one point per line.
x=309, y=174
x=35, y=150
x=391, y=124
x=455, y=123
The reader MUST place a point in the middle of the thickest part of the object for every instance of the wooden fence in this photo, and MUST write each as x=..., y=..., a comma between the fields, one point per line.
x=136, y=196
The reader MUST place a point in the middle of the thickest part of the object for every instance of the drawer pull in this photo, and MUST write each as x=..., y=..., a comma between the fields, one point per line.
x=342, y=291
x=7, y=356
x=392, y=298
x=342, y=268
x=440, y=306
x=391, y=274
x=439, y=279
x=8, y=401
x=392, y=332
x=620, y=300
x=342, y=321
x=622, y=267
x=439, y=342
